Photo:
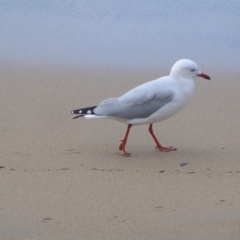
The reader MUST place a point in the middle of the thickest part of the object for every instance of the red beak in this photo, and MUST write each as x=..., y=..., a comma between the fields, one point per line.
x=203, y=75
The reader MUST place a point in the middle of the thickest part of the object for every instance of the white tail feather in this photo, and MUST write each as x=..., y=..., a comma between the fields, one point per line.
x=93, y=116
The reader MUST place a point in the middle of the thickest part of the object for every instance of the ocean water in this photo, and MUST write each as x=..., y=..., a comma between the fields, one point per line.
x=126, y=33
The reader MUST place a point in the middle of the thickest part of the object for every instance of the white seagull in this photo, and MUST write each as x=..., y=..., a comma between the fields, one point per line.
x=151, y=102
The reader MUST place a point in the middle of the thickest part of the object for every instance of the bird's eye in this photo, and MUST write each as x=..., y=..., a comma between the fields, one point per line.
x=192, y=70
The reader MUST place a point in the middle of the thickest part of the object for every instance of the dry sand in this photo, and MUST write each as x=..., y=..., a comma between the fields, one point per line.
x=65, y=179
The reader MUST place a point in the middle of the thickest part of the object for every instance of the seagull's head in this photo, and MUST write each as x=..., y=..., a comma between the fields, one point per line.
x=187, y=69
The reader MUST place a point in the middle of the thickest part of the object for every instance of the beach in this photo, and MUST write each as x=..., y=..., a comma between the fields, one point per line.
x=66, y=179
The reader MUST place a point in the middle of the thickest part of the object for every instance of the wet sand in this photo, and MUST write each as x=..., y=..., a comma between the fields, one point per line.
x=65, y=179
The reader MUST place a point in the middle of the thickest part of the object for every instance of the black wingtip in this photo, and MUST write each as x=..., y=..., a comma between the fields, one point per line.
x=78, y=116
x=83, y=111
x=77, y=111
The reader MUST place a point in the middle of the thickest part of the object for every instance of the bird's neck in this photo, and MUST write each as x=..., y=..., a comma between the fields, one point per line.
x=186, y=85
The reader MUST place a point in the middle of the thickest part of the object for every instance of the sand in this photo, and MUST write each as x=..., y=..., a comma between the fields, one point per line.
x=65, y=179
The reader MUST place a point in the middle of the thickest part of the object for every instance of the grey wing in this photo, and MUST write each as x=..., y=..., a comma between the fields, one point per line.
x=140, y=102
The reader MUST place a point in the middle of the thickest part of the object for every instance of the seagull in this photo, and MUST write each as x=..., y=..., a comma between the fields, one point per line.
x=150, y=102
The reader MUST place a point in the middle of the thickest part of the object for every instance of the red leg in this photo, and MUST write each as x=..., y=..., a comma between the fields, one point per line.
x=159, y=146
x=124, y=141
